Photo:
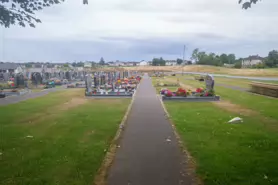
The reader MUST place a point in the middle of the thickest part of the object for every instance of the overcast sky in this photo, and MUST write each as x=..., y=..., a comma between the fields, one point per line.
x=142, y=29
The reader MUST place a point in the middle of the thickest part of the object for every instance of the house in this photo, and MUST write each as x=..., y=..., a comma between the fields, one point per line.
x=10, y=68
x=87, y=65
x=170, y=62
x=143, y=63
x=252, y=60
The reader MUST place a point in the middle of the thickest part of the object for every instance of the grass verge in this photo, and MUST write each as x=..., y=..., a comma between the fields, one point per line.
x=267, y=106
x=242, y=154
x=60, y=138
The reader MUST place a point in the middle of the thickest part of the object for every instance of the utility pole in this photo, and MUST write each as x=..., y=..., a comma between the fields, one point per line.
x=183, y=59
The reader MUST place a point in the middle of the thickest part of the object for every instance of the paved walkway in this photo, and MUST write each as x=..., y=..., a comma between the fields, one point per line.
x=16, y=99
x=149, y=153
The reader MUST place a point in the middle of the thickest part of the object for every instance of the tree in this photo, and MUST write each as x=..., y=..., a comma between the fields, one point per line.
x=179, y=61
x=158, y=62
x=247, y=3
x=194, y=55
x=101, y=62
x=238, y=65
x=28, y=65
x=22, y=12
x=231, y=58
x=224, y=58
x=272, y=59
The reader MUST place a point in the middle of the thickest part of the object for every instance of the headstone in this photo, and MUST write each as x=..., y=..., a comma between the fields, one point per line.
x=95, y=81
x=6, y=76
x=209, y=82
x=88, y=83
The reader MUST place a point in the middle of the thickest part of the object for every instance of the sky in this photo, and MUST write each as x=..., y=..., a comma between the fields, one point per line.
x=135, y=30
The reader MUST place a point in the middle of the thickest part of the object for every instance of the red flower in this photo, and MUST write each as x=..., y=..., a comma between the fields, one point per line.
x=199, y=90
x=169, y=94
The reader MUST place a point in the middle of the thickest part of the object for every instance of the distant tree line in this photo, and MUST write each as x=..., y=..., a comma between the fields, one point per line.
x=203, y=58
x=158, y=62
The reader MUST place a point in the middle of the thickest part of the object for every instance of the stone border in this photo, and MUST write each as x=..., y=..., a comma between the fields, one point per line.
x=19, y=93
x=191, y=98
x=100, y=178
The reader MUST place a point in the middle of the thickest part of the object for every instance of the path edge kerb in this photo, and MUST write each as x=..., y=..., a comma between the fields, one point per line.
x=100, y=178
x=189, y=160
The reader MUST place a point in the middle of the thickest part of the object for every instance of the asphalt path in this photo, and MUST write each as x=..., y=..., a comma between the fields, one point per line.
x=236, y=77
x=16, y=99
x=148, y=153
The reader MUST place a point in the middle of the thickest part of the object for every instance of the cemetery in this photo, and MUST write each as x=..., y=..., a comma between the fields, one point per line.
x=199, y=95
x=112, y=84
x=14, y=86
x=23, y=81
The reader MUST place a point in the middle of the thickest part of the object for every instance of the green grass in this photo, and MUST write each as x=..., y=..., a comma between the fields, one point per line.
x=158, y=88
x=265, y=105
x=244, y=83
x=67, y=146
x=240, y=82
x=226, y=154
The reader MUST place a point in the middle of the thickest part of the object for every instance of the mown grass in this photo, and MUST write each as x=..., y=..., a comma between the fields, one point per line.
x=241, y=154
x=44, y=142
x=162, y=80
x=267, y=106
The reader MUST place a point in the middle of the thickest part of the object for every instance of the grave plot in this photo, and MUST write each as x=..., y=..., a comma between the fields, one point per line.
x=16, y=86
x=164, y=83
x=77, y=85
x=199, y=95
x=111, y=84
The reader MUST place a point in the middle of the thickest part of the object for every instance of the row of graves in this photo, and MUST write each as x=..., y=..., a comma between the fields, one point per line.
x=112, y=84
x=182, y=94
x=13, y=85
x=16, y=84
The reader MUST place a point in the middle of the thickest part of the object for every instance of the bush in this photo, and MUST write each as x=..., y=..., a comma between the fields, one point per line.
x=238, y=65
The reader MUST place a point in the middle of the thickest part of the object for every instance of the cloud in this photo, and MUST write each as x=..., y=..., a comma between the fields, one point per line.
x=142, y=29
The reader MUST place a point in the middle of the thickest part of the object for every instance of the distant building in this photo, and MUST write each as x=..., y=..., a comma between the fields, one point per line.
x=143, y=63
x=252, y=60
x=170, y=62
x=87, y=65
x=10, y=68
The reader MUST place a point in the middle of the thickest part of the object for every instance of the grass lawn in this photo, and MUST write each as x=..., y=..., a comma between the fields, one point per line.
x=226, y=154
x=267, y=106
x=161, y=80
x=60, y=138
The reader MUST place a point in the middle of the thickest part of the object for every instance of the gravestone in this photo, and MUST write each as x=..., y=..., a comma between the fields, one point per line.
x=88, y=83
x=95, y=81
x=209, y=82
x=6, y=76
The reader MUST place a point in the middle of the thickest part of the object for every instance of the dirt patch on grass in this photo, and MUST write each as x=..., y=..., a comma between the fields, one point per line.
x=74, y=102
x=108, y=101
x=226, y=105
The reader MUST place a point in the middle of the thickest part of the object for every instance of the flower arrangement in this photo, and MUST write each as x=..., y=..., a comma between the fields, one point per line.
x=199, y=90
x=168, y=93
x=163, y=91
x=189, y=93
x=209, y=93
x=181, y=92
